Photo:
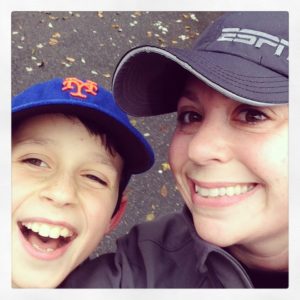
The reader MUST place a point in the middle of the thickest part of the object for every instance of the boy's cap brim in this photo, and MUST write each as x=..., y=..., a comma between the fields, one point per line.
x=148, y=79
x=135, y=150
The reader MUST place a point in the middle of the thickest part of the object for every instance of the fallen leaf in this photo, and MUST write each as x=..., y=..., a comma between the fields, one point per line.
x=150, y=217
x=183, y=37
x=165, y=166
x=70, y=59
x=56, y=35
x=66, y=64
x=40, y=64
x=133, y=122
x=52, y=41
x=53, y=18
x=164, y=191
x=194, y=18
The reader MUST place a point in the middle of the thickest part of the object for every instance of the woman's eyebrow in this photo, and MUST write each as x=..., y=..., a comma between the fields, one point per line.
x=189, y=95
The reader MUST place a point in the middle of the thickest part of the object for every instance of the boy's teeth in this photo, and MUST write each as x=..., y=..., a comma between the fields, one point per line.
x=47, y=230
x=42, y=249
x=228, y=191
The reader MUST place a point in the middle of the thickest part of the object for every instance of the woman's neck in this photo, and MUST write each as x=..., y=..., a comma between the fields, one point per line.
x=264, y=255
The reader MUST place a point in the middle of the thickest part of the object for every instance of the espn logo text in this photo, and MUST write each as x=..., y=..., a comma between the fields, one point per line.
x=255, y=38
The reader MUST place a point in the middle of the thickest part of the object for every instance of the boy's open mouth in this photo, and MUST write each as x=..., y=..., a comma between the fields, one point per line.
x=46, y=237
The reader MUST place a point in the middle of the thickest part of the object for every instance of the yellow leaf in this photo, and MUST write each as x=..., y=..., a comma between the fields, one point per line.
x=165, y=166
x=150, y=216
x=133, y=122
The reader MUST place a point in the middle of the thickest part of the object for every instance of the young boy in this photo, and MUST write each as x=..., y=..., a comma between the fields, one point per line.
x=73, y=152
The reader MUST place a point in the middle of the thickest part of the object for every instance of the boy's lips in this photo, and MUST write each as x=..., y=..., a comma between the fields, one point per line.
x=44, y=239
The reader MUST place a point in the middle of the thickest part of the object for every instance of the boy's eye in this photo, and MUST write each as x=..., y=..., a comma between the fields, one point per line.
x=36, y=162
x=188, y=117
x=250, y=115
x=96, y=179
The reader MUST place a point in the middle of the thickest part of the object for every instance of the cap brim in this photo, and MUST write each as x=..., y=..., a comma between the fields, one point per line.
x=148, y=80
x=129, y=142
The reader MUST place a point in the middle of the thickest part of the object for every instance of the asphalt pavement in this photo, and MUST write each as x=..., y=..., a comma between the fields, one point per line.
x=88, y=45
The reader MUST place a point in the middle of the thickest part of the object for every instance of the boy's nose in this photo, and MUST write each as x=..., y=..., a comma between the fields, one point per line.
x=210, y=144
x=60, y=189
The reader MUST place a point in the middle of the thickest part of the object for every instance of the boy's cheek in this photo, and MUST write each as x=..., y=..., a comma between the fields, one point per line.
x=21, y=186
x=17, y=198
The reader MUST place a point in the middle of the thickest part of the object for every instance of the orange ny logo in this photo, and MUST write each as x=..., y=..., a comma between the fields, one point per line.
x=71, y=83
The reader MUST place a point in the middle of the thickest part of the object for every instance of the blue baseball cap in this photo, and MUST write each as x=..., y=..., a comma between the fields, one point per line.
x=87, y=99
x=243, y=55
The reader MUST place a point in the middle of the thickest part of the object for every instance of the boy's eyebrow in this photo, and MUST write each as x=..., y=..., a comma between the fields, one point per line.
x=38, y=141
x=102, y=159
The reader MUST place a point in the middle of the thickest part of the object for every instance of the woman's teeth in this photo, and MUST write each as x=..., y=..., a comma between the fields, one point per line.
x=234, y=190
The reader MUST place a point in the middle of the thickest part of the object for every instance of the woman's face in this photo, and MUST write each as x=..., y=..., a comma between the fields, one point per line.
x=230, y=161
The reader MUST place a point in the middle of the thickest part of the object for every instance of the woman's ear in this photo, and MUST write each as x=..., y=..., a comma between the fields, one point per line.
x=115, y=220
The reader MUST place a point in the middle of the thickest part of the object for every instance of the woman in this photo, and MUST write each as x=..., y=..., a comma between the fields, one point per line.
x=229, y=156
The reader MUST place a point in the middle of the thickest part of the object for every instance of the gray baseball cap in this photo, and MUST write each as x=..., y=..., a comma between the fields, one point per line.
x=243, y=55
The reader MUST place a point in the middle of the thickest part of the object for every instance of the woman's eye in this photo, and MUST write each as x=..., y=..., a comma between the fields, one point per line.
x=96, y=179
x=36, y=162
x=251, y=116
x=188, y=117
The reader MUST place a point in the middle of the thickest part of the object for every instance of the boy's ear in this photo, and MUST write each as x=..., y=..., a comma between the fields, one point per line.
x=115, y=220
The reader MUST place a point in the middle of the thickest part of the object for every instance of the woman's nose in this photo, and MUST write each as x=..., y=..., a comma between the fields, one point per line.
x=60, y=189
x=211, y=143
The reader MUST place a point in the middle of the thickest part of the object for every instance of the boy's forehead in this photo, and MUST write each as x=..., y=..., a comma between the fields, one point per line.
x=39, y=131
x=36, y=123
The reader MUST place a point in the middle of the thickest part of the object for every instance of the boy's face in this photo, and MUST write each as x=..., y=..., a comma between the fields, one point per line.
x=65, y=188
x=230, y=163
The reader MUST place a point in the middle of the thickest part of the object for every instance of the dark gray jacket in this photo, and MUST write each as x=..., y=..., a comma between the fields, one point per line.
x=166, y=253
